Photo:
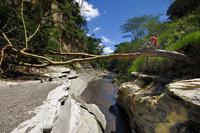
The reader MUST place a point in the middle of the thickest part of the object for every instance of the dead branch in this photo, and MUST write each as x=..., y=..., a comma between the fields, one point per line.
x=68, y=53
x=24, y=25
x=89, y=57
x=30, y=37
x=4, y=35
x=35, y=56
x=146, y=53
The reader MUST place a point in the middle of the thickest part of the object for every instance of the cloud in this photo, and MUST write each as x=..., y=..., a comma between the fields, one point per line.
x=88, y=34
x=87, y=10
x=106, y=40
x=96, y=29
x=108, y=50
x=100, y=44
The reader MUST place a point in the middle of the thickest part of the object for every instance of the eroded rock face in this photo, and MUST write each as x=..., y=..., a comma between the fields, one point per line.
x=155, y=108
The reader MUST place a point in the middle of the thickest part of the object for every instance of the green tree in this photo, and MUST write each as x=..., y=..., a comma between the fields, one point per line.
x=180, y=8
x=137, y=27
x=94, y=46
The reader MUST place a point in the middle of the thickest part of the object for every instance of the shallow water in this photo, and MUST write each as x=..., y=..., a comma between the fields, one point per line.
x=103, y=93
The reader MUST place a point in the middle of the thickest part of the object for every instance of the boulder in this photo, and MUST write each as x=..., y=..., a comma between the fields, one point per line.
x=154, y=107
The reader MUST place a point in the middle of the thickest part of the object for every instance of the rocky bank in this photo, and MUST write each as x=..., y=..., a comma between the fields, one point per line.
x=49, y=105
x=154, y=106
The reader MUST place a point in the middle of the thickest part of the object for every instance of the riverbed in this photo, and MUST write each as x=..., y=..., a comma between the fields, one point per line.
x=20, y=100
x=102, y=92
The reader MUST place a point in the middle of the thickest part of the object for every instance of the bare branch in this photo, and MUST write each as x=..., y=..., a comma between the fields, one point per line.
x=146, y=53
x=29, y=38
x=10, y=30
x=4, y=35
x=68, y=53
x=90, y=57
x=24, y=25
x=35, y=56
x=5, y=24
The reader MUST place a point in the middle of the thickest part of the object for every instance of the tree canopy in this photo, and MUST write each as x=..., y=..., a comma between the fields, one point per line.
x=180, y=8
x=137, y=27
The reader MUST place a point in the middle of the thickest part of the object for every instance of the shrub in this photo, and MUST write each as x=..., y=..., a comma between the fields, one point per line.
x=136, y=65
x=190, y=39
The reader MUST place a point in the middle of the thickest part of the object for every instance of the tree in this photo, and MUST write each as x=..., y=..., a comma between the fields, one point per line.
x=180, y=8
x=136, y=27
x=94, y=46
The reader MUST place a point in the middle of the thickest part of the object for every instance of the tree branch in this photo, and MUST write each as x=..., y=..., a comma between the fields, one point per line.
x=90, y=57
x=4, y=35
x=24, y=25
x=68, y=53
x=29, y=38
x=146, y=53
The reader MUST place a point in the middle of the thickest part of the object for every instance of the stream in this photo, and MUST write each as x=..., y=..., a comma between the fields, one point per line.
x=103, y=93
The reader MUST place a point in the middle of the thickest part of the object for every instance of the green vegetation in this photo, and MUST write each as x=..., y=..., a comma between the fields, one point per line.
x=136, y=28
x=189, y=39
x=137, y=64
x=61, y=26
x=38, y=26
x=181, y=8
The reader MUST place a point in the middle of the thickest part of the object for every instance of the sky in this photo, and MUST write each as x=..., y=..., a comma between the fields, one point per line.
x=104, y=17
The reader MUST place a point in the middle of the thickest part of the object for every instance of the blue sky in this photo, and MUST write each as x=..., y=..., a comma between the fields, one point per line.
x=106, y=17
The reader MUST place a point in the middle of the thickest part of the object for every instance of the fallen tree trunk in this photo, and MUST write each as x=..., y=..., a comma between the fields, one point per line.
x=146, y=53
x=89, y=57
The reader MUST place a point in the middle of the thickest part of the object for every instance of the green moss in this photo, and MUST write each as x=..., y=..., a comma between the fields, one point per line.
x=191, y=38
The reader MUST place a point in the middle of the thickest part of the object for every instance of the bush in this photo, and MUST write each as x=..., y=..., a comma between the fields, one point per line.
x=190, y=39
x=136, y=65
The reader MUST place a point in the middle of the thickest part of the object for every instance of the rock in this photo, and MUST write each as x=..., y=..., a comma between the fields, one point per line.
x=188, y=90
x=73, y=76
x=76, y=118
x=99, y=116
x=61, y=112
x=62, y=76
x=66, y=72
x=45, y=114
x=171, y=109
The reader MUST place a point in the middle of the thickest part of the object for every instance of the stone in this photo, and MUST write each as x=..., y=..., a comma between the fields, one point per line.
x=77, y=118
x=173, y=108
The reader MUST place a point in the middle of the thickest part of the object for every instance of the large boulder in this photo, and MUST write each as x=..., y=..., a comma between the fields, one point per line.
x=155, y=108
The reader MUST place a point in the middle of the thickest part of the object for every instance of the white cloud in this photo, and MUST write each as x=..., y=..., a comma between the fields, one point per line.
x=96, y=29
x=88, y=34
x=106, y=40
x=100, y=44
x=108, y=50
x=87, y=10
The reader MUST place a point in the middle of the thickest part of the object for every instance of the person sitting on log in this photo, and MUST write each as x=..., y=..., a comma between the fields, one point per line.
x=154, y=41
